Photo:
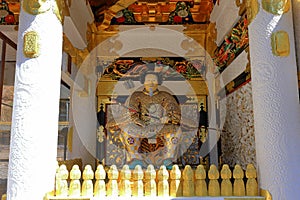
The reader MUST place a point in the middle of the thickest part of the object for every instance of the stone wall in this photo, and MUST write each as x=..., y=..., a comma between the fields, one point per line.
x=7, y=101
x=237, y=138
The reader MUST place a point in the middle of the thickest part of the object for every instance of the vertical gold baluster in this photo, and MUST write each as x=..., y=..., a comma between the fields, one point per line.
x=112, y=185
x=238, y=185
x=188, y=182
x=251, y=185
x=150, y=184
x=213, y=185
x=125, y=184
x=75, y=185
x=200, y=183
x=226, y=185
x=99, y=188
x=175, y=183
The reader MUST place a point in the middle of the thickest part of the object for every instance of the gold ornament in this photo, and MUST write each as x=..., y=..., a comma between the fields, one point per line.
x=252, y=9
x=31, y=44
x=280, y=43
x=35, y=7
x=276, y=7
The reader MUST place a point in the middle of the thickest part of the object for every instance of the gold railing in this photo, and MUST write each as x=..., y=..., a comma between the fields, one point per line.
x=126, y=183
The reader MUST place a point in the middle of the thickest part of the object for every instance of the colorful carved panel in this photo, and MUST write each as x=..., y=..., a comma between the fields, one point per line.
x=232, y=46
x=172, y=68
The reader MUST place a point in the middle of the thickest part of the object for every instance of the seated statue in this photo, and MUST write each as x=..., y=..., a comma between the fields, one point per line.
x=150, y=129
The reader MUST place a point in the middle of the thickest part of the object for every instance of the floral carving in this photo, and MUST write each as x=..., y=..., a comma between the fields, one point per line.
x=171, y=68
x=232, y=46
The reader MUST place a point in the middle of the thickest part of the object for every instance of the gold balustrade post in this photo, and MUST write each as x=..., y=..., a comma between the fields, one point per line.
x=150, y=184
x=99, y=187
x=175, y=183
x=200, y=183
x=226, y=185
x=238, y=185
x=138, y=185
x=188, y=182
x=112, y=185
x=251, y=185
x=87, y=184
x=125, y=185
x=213, y=185
x=163, y=185
x=61, y=184
x=75, y=185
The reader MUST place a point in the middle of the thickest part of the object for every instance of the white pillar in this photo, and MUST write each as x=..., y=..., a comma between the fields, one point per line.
x=276, y=106
x=33, y=149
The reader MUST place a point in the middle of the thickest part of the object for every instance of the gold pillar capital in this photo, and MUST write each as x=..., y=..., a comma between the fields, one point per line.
x=35, y=7
x=276, y=7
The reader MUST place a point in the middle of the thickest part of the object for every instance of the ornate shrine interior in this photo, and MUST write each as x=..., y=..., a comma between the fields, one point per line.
x=110, y=19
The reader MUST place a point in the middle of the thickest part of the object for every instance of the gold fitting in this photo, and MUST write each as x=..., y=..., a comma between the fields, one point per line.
x=266, y=194
x=276, y=7
x=31, y=44
x=35, y=7
x=280, y=43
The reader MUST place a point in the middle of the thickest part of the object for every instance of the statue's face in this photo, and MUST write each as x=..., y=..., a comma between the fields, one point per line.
x=151, y=82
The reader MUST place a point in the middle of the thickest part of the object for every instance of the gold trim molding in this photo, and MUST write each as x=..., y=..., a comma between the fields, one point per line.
x=276, y=7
